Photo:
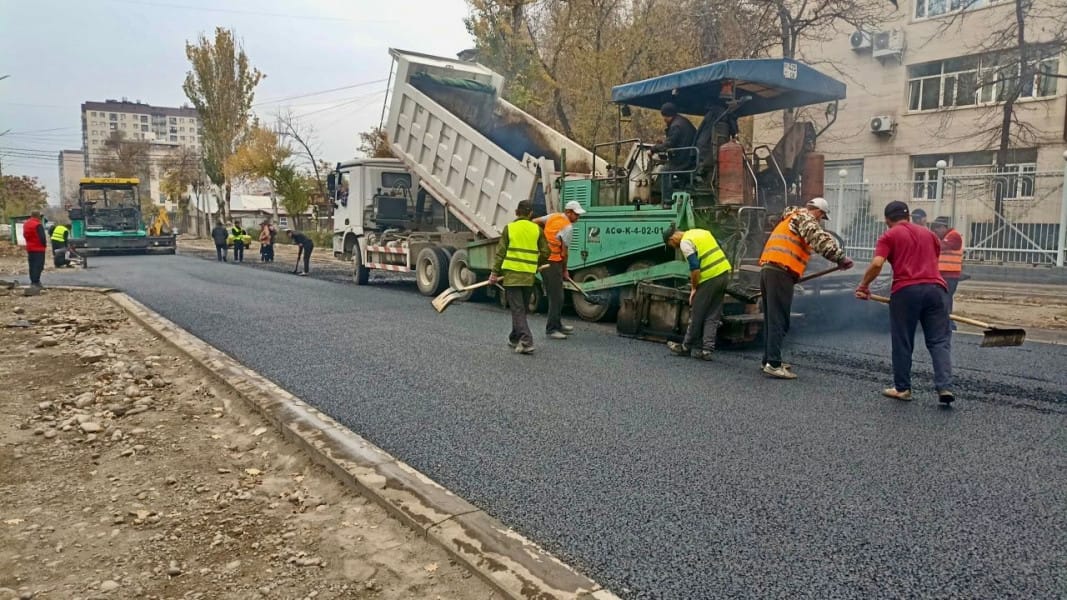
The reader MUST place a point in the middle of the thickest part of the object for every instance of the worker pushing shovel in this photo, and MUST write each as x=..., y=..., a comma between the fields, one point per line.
x=305, y=247
x=521, y=250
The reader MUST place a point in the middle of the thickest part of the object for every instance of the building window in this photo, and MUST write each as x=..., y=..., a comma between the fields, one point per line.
x=114, y=126
x=283, y=221
x=970, y=80
x=1017, y=177
x=935, y=8
x=173, y=121
x=174, y=130
x=144, y=127
x=113, y=117
x=174, y=138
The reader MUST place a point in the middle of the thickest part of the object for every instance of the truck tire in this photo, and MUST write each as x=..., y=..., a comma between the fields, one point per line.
x=431, y=271
x=460, y=274
x=360, y=274
x=589, y=311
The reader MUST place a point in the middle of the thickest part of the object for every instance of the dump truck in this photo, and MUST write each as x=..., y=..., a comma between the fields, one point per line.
x=108, y=218
x=465, y=158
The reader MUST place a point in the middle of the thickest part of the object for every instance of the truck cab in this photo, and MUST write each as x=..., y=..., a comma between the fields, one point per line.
x=369, y=194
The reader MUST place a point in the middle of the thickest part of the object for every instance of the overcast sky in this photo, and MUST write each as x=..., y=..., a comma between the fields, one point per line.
x=60, y=53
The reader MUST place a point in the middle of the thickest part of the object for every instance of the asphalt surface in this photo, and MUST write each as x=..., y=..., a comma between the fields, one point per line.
x=664, y=477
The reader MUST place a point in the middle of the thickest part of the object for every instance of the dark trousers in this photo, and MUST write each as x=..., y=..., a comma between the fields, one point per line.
x=926, y=304
x=776, y=288
x=305, y=251
x=59, y=256
x=705, y=314
x=220, y=252
x=238, y=251
x=518, y=299
x=36, y=263
x=267, y=252
x=953, y=283
x=552, y=280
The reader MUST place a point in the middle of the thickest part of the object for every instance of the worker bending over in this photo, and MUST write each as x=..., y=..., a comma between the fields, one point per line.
x=951, y=262
x=559, y=228
x=784, y=259
x=709, y=272
x=521, y=250
x=305, y=247
x=919, y=295
x=60, y=239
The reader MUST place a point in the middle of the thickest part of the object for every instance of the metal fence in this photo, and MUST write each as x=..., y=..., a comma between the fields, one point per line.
x=1005, y=218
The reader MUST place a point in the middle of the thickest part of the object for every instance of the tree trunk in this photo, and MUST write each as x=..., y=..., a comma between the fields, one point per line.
x=274, y=204
x=789, y=51
x=561, y=113
x=226, y=204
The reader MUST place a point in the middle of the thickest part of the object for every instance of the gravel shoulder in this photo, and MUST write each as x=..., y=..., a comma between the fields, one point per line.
x=125, y=471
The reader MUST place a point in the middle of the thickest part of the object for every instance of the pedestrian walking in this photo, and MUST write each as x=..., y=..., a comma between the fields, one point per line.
x=951, y=262
x=36, y=248
x=709, y=272
x=559, y=229
x=264, y=242
x=919, y=296
x=784, y=259
x=220, y=236
x=521, y=250
x=305, y=247
x=238, y=234
x=60, y=238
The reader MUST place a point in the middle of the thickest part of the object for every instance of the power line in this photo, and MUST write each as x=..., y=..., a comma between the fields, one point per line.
x=255, y=13
x=319, y=93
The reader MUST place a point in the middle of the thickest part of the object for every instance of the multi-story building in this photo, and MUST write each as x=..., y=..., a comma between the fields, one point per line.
x=71, y=170
x=165, y=129
x=921, y=119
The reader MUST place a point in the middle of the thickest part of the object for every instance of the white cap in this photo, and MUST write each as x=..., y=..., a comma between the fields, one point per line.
x=575, y=206
x=821, y=204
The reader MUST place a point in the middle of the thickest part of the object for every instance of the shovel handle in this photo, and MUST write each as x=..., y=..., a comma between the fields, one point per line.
x=819, y=274
x=956, y=318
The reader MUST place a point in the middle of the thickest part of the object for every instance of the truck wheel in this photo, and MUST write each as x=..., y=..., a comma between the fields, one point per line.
x=431, y=271
x=608, y=299
x=460, y=274
x=360, y=274
x=538, y=300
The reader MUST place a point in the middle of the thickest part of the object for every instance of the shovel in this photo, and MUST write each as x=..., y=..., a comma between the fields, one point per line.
x=992, y=336
x=441, y=302
x=570, y=284
x=742, y=294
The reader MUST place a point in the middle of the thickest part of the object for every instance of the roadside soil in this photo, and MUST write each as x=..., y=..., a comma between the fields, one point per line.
x=127, y=472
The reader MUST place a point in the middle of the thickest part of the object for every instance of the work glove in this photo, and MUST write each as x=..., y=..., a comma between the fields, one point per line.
x=863, y=292
x=493, y=278
x=845, y=263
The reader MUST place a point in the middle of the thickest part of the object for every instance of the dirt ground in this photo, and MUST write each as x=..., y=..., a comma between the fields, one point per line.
x=126, y=472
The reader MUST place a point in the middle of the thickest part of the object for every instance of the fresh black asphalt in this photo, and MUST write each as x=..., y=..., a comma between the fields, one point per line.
x=664, y=477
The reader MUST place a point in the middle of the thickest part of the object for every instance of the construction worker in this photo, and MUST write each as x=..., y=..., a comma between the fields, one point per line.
x=33, y=233
x=679, y=133
x=919, y=295
x=919, y=217
x=709, y=272
x=266, y=250
x=784, y=259
x=219, y=235
x=951, y=262
x=305, y=247
x=559, y=228
x=238, y=234
x=521, y=250
x=59, y=237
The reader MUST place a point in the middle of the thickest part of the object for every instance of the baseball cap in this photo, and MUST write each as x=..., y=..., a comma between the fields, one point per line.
x=668, y=232
x=896, y=210
x=918, y=212
x=821, y=204
x=575, y=206
x=946, y=221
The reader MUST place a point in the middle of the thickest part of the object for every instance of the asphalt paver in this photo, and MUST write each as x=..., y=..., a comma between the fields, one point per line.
x=664, y=477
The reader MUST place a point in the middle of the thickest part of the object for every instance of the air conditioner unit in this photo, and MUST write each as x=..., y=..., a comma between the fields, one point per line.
x=882, y=124
x=888, y=43
x=860, y=41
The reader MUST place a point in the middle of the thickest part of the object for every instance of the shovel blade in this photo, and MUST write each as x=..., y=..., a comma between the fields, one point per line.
x=441, y=302
x=999, y=338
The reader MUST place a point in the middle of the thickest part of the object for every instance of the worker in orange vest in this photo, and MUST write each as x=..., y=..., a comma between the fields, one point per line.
x=951, y=261
x=784, y=259
x=559, y=229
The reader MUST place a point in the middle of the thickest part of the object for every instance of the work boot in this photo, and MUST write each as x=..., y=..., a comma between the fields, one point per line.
x=678, y=349
x=558, y=335
x=946, y=397
x=512, y=343
x=523, y=348
x=567, y=328
x=778, y=372
x=785, y=365
x=896, y=394
x=703, y=354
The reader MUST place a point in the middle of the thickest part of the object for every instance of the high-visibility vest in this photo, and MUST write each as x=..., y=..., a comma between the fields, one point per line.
x=237, y=232
x=521, y=256
x=786, y=249
x=713, y=260
x=59, y=233
x=555, y=223
x=951, y=261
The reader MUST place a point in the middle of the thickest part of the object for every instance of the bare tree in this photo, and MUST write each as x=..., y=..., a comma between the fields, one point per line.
x=305, y=138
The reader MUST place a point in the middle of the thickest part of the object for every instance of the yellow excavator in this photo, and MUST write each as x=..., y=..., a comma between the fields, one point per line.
x=161, y=224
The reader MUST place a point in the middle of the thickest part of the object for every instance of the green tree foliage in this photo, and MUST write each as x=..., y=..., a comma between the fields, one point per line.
x=295, y=189
x=221, y=86
x=19, y=195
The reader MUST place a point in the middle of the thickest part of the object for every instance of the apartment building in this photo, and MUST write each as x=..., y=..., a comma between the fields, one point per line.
x=921, y=117
x=71, y=170
x=165, y=129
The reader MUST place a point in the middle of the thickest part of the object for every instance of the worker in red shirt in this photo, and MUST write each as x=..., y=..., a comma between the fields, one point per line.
x=919, y=295
x=36, y=247
x=951, y=261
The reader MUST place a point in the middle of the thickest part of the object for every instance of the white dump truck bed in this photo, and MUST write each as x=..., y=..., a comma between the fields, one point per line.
x=476, y=153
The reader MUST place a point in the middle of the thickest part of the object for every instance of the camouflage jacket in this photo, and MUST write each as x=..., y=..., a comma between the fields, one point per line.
x=808, y=227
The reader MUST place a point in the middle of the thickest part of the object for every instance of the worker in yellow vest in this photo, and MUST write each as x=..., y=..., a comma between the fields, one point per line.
x=59, y=237
x=559, y=228
x=521, y=250
x=950, y=262
x=784, y=259
x=709, y=272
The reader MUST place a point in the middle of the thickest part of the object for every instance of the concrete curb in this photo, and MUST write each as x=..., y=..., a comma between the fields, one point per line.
x=511, y=563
